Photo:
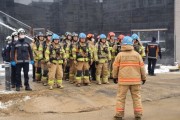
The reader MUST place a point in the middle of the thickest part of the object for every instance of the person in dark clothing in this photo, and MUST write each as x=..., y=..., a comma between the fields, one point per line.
x=14, y=36
x=6, y=49
x=153, y=50
x=21, y=56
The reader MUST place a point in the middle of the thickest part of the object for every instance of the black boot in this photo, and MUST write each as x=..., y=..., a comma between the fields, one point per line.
x=137, y=118
x=28, y=88
x=13, y=86
x=117, y=118
x=17, y=88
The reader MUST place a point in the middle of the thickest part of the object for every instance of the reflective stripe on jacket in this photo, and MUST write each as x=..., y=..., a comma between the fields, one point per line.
x=128, y=67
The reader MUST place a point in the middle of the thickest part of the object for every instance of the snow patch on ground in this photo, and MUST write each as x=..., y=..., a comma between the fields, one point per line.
x=6, y=104
x=7, y=92
x=10, y=103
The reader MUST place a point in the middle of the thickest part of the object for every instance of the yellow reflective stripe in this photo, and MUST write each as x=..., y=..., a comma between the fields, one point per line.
x=78, y=78
x=57, y=61
x=47, y=51
x=82, y=59
x=40, y=49
x=87, y=77
x=51, y=82
x=59, y=81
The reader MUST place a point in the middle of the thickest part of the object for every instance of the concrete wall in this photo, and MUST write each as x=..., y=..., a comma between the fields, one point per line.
x=177, y=30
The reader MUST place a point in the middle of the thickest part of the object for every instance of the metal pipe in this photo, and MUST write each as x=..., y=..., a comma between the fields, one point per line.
x=13, y=29
x=15, y=19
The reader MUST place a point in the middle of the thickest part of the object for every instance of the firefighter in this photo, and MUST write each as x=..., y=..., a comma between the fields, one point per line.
x=138, y=47
x=66, y=45
x=14, y=36
x=37, y=48
x=111, y=42
x=153, y=50
x=129, y=73
x=44, y=66
x=117, y=47
x=102, y=58
x=21, y=56
x=72, y=61
x=92, y=69
x=55, y=55
x=82, y=55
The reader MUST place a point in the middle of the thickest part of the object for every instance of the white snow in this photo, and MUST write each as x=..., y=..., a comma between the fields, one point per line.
x=26, y=98
x=6, y=104
x=10, y=103
x=7, y=92
x=163, y=69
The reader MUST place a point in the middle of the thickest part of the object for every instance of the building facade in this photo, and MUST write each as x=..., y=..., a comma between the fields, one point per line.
x=147, y=18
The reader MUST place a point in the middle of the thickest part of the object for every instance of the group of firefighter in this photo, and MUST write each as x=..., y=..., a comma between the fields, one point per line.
x=81, y=58
x=76, y=57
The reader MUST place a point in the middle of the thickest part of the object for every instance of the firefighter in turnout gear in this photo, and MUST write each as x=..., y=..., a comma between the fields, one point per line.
x=117, y=46
x=44, y=65
x=138, y=47
x=102, y=56
x=129, y=73
x=55, y=55
x=82, y=55
x=21, y=56
x=92, y=69
x=72, y=60
x=37, y=48
x=111, y=42
x=66, y=45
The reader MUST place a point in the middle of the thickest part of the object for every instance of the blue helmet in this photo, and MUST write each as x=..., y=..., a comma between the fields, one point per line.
x=102, y=36
x=55, y=37
x=82, y=35
x=127, y=41
x=135, y=36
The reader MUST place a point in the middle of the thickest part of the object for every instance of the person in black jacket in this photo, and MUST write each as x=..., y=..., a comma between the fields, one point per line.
x=21, y=56
x=6, y=49
x=14, y=36
x=153, y=50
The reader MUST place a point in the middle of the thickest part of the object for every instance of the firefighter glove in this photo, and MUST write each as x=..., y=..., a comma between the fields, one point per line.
x=115, y=80
x=13, y=63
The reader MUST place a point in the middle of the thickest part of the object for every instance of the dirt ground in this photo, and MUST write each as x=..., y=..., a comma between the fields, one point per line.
x=160, y=96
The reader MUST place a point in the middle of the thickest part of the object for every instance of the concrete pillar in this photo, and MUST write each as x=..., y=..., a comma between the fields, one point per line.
x=177, y=30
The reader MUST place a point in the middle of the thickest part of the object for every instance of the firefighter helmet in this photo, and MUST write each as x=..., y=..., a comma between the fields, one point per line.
x=82, y=35
x=127, y=40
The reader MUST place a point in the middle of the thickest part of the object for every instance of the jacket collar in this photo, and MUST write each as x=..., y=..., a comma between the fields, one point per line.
x=127, y=48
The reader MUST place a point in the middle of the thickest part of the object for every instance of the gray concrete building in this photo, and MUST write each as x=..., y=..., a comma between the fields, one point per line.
x=148, y=18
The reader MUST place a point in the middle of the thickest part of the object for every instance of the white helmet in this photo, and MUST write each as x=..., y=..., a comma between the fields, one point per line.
x=21, y=30
x=14, y=34
x=8, y=38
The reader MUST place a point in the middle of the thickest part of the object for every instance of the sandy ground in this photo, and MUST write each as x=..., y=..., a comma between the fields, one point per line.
x=160, y=96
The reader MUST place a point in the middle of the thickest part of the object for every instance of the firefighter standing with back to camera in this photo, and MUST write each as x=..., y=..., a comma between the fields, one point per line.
x=102, y=56
x=153, y=50
x=129, y=73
